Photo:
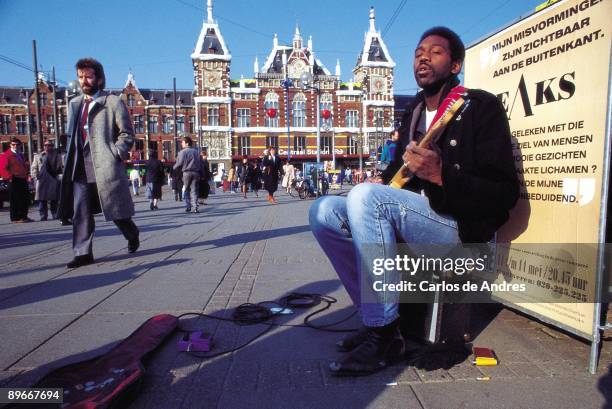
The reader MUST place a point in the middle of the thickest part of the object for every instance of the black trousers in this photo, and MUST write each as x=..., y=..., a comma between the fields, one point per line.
x=19, y=196
x=83, y=224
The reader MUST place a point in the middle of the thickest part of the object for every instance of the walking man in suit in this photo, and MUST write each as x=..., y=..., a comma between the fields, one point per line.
x=95, y=180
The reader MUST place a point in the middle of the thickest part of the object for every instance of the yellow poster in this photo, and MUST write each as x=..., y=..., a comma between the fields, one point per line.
x=550, y=71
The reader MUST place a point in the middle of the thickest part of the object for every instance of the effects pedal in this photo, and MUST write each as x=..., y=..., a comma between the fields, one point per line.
x=196, y=341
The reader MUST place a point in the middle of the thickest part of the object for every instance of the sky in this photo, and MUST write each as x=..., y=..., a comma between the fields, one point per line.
x=154, y=38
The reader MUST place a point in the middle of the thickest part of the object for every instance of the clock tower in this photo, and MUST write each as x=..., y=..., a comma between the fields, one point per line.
x=211, y=69
x=374, y=70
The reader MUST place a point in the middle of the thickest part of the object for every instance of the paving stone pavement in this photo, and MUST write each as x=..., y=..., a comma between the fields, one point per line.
x=239, y=251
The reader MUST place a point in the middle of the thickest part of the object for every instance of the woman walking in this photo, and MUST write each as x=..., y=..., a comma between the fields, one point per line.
x=177, y=184
x=231, y=178
x=155, y=179
x=244, y=176
x=289, y=176
x=255, y=177
x=272, y=168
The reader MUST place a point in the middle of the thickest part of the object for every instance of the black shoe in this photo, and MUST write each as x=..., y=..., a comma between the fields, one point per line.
x=440, y=355
x=151, y=207
x=196, y=210
x=133, y=245
x=66, y=223
x=43, y=219
x=155, y=207
x=188, y=210
x=382, y=347
x=79, y=261
x=352, y=341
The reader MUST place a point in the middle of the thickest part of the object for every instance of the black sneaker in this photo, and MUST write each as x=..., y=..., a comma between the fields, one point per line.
x=352, y=341
x=442, y=355
x=382, y=347
x=188, y=210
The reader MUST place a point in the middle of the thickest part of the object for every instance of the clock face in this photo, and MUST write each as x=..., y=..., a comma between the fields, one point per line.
x=296, y=68
x=212, y=79
x=359, y=76
x=379, y=84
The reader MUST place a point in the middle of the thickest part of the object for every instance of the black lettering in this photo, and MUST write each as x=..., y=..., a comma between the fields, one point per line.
x=503, y=98
x=567, y=85
x=543, y=92
x=522, y=90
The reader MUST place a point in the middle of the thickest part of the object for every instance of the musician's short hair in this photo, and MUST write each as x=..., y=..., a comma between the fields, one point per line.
x=188, y=140
x=457, y=49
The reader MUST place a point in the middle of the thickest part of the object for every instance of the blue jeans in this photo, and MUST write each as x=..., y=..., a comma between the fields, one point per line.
x=368, y=224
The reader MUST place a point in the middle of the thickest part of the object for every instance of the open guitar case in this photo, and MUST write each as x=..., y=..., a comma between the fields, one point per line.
x=110, y=380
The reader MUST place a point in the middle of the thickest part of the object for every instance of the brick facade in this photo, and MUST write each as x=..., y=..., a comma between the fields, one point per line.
x=232, y=118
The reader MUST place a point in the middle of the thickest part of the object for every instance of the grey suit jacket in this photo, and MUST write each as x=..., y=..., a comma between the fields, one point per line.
x=110, y=139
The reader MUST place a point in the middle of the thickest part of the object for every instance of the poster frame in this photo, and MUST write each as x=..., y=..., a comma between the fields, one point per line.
x=598, y=325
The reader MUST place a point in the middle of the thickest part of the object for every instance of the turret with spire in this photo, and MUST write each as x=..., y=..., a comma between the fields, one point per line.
x=374, y=70
x=210, y=45
x=211, y=63
x=297, y=38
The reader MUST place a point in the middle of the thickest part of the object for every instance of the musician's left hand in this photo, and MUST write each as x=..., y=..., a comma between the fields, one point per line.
x=424, y=163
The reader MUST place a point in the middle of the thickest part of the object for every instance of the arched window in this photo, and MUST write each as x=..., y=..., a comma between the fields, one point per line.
x=298, y=109
x=326, y=103
x=271, y=101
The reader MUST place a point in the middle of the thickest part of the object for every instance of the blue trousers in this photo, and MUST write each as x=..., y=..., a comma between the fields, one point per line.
x=367, y=225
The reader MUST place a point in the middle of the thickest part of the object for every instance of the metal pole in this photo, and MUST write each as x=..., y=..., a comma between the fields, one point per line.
x=147, y=141
x=37, y=95
x=318, y=127
x=55, y=122
x=333, y=146
x=66, y=96
x=174, y=117
x=29, y=125
x=598, y=317
x=362, y=137
x=287, y=117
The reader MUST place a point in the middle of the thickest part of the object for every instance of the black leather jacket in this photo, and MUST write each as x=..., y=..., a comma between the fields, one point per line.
x=479, y=181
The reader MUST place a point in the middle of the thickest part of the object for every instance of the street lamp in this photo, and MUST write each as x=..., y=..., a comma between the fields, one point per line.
x=307, y=80
x=69, y=92
x=286, y=83
x=26, y=99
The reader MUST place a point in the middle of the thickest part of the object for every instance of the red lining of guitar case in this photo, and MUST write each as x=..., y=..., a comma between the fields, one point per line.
x=112, y=378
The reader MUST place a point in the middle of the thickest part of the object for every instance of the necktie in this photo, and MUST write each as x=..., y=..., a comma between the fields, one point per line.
x=84, y=116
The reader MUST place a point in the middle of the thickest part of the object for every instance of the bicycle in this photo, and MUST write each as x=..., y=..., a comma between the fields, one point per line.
x=301, y=188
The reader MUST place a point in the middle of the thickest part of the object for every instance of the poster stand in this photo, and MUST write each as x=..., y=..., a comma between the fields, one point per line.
x=522, y=63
